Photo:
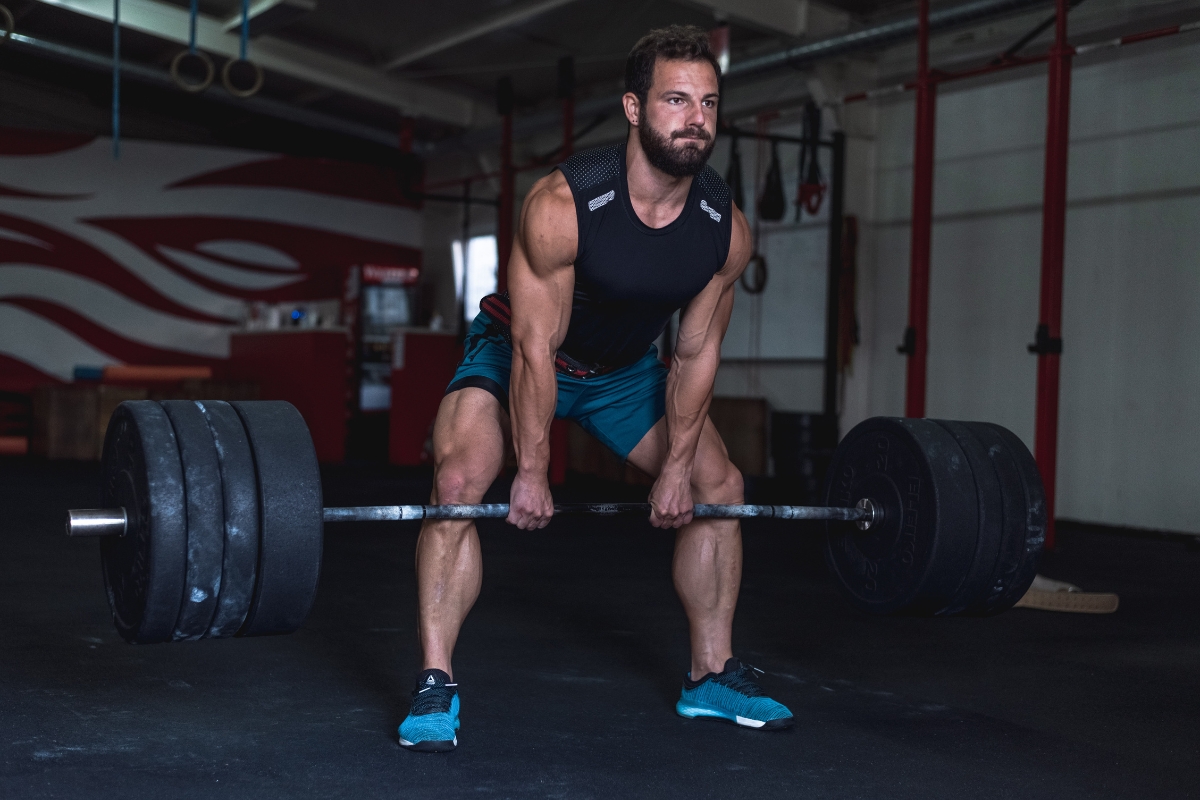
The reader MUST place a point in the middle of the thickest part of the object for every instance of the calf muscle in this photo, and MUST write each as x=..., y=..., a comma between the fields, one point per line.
x=468, y=443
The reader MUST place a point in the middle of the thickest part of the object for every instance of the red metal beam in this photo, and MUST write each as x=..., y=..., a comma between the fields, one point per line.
x=941, y=76
x=504, y=212
x=1054, y=216
x=916, y=337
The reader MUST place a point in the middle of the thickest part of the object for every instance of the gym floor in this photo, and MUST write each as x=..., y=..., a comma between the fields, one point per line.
x=570, y=666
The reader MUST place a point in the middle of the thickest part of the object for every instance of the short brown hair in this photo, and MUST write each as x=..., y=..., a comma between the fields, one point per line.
x=672, y=43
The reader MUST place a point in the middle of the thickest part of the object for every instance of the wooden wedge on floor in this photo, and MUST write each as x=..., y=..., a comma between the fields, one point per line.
x=1051, y=595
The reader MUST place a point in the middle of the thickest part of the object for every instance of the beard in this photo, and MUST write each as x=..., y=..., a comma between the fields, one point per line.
x=678, y=162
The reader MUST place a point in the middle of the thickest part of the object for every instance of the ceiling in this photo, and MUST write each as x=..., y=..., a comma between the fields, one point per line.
x=340, y=58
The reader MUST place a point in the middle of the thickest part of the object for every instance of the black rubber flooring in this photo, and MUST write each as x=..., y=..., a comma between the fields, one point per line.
x=569, y=669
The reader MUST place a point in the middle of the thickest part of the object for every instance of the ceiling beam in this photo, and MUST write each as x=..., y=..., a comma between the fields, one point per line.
x=794, y=18
x=269, y=15
x=453, y=38
x=170, y=23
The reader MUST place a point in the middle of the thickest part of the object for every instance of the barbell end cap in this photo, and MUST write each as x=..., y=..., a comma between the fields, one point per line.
x=97, y=522
x=874, y=514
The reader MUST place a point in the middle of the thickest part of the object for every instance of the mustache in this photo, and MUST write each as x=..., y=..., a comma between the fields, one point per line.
x=692, y=133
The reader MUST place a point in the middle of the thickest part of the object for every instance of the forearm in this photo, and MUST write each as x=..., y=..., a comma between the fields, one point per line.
x=688, y=396
x=533, y=394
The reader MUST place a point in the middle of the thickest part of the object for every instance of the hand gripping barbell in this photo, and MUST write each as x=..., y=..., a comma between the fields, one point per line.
x=213, y=521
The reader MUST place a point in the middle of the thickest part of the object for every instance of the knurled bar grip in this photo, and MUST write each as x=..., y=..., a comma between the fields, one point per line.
x=500, y=511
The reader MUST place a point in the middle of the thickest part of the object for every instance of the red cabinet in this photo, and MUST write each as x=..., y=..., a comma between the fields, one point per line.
x=423, y=363
x=308, y=368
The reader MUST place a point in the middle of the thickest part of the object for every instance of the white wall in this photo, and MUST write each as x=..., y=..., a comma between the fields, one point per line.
x=1129, y=439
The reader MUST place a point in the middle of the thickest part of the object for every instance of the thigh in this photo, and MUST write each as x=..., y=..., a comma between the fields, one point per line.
x=469, y=437
x=712, y=469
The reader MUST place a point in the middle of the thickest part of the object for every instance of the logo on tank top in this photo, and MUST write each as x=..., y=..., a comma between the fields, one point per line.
x=602, y=200
x=712, y=212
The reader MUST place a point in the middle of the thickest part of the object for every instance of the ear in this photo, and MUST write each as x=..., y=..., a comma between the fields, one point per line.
x=633, y=108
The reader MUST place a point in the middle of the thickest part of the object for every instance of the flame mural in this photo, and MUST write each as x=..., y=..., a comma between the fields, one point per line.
x=153, y=259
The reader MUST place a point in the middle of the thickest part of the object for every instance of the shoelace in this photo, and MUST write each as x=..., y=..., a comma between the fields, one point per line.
x=743, y=680
x=434, y=700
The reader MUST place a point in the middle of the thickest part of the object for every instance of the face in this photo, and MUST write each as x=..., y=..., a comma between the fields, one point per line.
x=677, y=124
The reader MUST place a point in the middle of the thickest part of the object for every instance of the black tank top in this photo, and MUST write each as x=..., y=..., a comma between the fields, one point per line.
x=630, y=278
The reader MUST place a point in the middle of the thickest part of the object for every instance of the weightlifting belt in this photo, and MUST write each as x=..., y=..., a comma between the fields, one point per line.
x=499, y=309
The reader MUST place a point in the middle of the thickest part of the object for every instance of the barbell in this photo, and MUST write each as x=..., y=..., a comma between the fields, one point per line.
x=213, y=520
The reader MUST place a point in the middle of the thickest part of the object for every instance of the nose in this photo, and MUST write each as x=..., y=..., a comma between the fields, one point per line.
x=696, y=115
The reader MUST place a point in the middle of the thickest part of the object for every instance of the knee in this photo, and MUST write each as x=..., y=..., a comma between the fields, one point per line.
x=719, y=484
x=454, y=483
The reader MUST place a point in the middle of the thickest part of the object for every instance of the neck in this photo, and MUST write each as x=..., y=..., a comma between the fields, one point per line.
x=656, y=196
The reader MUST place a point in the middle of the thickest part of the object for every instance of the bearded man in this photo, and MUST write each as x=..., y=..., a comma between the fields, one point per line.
x=609, y=247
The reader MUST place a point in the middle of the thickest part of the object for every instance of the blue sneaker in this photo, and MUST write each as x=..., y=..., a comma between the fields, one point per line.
x=432, y=722
x=733, y=695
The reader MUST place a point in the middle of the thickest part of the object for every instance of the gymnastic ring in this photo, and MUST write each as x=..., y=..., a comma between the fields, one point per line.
x=758, y=268
x=9, y=23
x=228, y=84
x=210, y=71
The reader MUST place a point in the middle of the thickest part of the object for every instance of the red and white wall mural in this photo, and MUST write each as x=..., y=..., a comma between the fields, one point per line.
x=155, y=258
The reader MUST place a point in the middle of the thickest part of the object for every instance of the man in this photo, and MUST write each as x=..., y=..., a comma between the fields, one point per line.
x=609, y=246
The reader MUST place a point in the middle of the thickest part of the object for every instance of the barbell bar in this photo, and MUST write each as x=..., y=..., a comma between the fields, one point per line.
x=217, y=521
x=114, y=521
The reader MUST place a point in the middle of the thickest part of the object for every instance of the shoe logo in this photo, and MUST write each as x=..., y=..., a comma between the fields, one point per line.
x=712, y=212
x=429, y=681
x=602, y=200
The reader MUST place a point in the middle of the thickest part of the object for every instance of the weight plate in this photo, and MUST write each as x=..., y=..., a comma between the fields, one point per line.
x=916, y=558
x=289, y=497
x=205, y=518
x=144, y=569
x=990, y=496
x=239, y=490
x=1025, y=517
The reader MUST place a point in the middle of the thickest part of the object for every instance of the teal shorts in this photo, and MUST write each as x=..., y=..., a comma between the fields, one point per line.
x=619, y=408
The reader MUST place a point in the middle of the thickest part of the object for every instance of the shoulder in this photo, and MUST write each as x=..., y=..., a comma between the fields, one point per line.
x=550, y=200
x=549, y=229
x=741, y=246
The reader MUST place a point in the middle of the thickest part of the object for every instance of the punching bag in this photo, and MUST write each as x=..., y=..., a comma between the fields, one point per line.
x=772, y=204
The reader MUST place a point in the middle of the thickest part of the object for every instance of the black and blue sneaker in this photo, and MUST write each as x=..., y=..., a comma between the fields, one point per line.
x=733, y=695
x=432, y=722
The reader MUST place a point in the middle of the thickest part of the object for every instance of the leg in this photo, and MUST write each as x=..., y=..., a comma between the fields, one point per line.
x=708, y=553
x=468, y=444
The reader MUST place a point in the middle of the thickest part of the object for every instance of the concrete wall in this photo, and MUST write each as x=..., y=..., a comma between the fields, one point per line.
x=1129, y=441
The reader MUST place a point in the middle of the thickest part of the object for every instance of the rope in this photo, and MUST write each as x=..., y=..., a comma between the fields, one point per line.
x=195, y=12
x=245, y=27
x=116, y=78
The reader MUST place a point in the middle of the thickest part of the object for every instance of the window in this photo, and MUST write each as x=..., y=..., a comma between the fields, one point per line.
x=482, y=261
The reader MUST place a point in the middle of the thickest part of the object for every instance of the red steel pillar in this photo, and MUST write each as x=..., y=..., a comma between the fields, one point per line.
x=504, y=212
x=916, y=339
x=1048, y=343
